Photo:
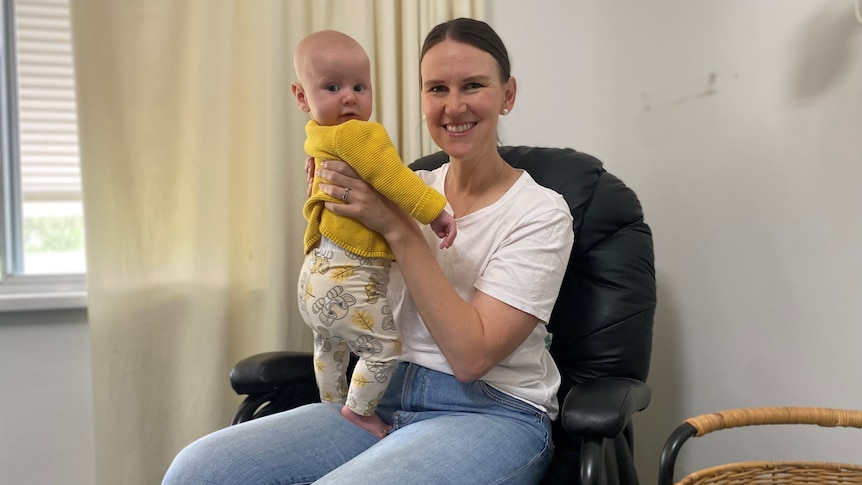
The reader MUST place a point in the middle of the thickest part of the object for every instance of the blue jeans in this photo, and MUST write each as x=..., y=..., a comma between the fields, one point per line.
x=443, y=432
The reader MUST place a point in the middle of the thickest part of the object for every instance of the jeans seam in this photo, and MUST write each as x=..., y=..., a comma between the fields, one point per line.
x=402, y=417
x=526, y=466
x=407, y=386
x=547, y=448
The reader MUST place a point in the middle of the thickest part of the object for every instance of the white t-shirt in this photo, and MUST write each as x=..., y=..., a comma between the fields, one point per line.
x=515, y=250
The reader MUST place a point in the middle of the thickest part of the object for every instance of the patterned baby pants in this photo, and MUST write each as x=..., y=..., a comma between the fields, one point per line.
x=342, y=297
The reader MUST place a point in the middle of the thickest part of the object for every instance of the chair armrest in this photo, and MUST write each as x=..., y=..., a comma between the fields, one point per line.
x=269, y=371
x=599, y=410
x=603, y=407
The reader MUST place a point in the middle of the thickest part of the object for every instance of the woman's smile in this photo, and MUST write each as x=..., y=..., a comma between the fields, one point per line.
x=459, y=128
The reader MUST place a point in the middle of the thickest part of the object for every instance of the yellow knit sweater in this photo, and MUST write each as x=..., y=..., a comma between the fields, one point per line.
x=366, y=146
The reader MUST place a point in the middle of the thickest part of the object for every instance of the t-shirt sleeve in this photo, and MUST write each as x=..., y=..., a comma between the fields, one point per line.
x=527, y=269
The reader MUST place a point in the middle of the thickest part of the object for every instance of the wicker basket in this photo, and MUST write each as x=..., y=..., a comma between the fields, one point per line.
x=764, y=472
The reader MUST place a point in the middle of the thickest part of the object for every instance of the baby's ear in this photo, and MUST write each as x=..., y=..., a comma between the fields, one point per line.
x=299, y=95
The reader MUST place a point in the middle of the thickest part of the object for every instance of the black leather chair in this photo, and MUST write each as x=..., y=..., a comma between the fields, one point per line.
x=601, y=324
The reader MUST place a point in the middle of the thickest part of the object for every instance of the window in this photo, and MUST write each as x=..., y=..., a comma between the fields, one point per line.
x=42, y=244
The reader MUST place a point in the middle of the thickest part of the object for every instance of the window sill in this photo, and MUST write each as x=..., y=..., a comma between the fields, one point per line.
x=34, y=293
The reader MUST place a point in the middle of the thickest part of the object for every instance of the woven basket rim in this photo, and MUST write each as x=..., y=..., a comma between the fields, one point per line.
x=733, y=470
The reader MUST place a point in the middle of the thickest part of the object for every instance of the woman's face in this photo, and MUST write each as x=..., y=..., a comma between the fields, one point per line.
x=462, y=98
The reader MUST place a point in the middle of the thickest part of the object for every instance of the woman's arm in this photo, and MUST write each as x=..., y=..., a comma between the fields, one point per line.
x=473, y=336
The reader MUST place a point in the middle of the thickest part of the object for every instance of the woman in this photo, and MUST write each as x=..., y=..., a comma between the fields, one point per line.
x=474, y=394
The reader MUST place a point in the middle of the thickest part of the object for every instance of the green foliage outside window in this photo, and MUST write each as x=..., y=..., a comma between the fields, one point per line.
x=53, y=234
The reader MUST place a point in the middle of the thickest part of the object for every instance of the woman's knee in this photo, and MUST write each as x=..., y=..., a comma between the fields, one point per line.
x=199, y=462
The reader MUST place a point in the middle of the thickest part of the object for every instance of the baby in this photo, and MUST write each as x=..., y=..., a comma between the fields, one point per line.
x=343, y=282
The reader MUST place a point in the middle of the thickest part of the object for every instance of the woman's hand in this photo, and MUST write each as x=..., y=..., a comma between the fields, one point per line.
x=309, y=175
x=360, y=201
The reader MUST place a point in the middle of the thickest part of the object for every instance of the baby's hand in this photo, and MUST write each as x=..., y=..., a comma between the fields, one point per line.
x=444, y=227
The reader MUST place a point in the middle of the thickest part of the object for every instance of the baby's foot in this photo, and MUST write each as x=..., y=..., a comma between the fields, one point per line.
x=373, y=424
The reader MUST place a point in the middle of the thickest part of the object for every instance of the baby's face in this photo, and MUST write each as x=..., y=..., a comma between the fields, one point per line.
x=338, y=87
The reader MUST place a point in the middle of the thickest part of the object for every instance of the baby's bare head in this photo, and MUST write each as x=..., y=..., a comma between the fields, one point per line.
x=327, y=49
x=334, y=78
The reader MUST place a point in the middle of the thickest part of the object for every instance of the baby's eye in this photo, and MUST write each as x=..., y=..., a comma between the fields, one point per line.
x=332, y=88
x=359, y=88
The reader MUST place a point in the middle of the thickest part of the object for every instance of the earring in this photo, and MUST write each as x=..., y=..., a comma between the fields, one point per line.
x=505, y=111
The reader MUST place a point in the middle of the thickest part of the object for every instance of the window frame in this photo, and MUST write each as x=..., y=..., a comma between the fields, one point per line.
x=20, y=291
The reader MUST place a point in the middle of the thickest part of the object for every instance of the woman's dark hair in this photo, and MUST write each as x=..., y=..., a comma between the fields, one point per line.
x=473, y=32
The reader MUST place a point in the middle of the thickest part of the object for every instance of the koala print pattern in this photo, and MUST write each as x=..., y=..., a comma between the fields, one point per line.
x=342, y=297
x=335, y=306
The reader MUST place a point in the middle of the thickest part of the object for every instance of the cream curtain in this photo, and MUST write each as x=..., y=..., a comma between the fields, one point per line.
x=191, y=151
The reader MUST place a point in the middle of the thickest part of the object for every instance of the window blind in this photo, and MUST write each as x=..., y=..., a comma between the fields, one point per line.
x=48, y=134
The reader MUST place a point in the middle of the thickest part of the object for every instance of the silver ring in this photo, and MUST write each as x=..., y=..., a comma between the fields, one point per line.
x=345, y=194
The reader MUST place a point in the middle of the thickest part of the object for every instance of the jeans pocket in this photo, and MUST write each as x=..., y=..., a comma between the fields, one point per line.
x=510, y=402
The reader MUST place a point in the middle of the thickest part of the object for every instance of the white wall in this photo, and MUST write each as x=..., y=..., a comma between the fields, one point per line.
x=739, y=125
x=46, y=415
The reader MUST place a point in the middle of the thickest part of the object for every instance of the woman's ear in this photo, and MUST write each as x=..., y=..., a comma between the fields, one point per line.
x=509, y=94
x=299, y=95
